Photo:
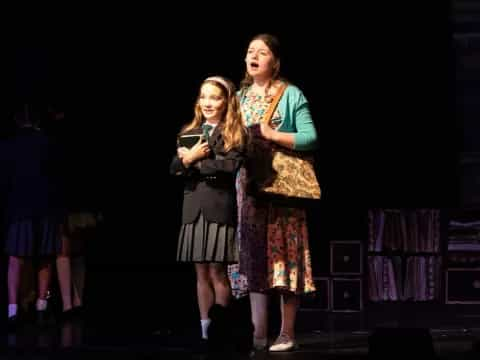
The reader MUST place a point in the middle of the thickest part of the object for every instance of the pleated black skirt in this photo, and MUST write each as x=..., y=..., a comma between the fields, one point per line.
x=34, y=237
x=203, y=241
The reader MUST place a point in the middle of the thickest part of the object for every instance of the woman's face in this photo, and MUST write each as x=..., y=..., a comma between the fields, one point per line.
x=260, y=60
x=212, y=102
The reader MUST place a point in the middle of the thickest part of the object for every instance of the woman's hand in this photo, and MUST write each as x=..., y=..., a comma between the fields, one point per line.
x=267, y=132
x=277, y=137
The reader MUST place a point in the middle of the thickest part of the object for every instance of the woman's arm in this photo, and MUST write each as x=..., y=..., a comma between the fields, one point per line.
x=305, y=137
x=281, y=138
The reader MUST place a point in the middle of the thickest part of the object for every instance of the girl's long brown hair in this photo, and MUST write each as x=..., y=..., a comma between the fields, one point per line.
x=233, y=130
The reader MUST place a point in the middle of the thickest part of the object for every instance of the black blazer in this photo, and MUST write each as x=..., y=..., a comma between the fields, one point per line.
x=210, y=183
x=31, y=179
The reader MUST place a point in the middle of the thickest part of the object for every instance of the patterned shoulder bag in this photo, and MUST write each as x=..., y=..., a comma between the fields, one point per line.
x=279, y=174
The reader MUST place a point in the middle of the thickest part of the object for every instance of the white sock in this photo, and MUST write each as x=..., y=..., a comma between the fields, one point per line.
x=205, y=324
x=12, y=310
x=41, y=305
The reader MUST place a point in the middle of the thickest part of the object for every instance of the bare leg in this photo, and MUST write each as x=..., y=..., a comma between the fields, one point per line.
x=204, y=290
x=289, y=305
x=44, y=276
x=78, y=279
x=221, y=284
x=65, y=280
x=15, y=265
x=206, y=296
x=258, y=303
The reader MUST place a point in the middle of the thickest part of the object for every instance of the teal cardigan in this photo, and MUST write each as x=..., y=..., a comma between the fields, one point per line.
x=296, y=118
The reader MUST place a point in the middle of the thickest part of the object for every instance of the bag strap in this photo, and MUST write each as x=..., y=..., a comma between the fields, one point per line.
x=269, y=113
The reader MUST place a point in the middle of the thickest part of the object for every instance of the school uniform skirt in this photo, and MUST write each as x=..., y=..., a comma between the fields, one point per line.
x=34, y=236
x=204, y=241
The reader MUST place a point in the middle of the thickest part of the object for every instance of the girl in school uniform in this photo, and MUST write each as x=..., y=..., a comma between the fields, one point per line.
x=209, y=169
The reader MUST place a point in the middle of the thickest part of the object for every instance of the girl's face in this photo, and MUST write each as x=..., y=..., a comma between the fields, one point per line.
x=260, y=60
x=212, y=102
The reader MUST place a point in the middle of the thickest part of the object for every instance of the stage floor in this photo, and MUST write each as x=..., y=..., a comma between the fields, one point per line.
x=86, y=338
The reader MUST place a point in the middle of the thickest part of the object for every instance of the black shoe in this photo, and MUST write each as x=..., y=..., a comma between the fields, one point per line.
x=67, y=315
x=258, y=354
x=13, y=323
x=78, y=311
x=42, y=318
x=220, y=333
x=200, y=347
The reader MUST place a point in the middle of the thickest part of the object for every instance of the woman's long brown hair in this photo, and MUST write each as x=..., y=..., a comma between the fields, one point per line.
x=274, y=45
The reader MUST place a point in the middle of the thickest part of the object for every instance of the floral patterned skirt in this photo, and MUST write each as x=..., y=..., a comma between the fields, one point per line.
x=273, y=242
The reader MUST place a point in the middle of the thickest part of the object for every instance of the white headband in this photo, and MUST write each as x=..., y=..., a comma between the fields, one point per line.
x=221, y=81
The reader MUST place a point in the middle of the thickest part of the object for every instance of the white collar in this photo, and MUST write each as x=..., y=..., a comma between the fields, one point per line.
x=211, y=124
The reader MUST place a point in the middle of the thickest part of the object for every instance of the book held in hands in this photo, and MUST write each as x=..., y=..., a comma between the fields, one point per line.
x=189, y=140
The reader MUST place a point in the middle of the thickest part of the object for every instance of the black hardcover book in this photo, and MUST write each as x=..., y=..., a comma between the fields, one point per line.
x=189, y=140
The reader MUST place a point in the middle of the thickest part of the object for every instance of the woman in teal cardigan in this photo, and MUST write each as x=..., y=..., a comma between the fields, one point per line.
x=274, y=251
